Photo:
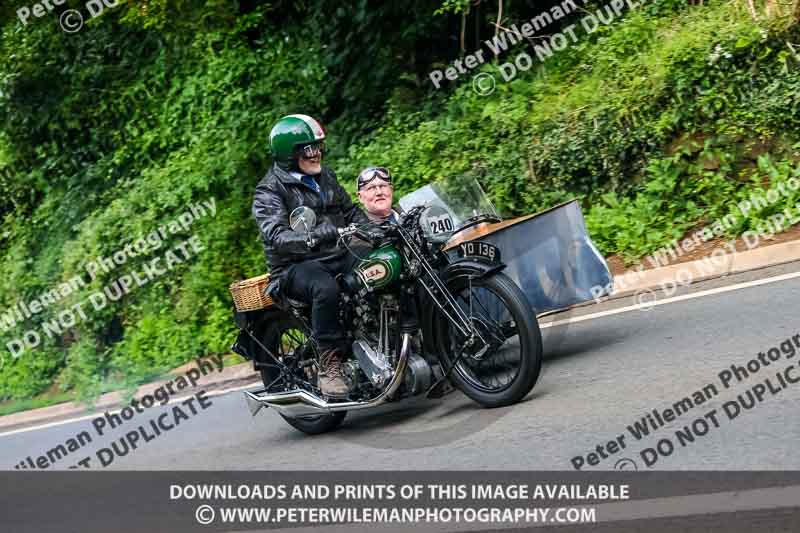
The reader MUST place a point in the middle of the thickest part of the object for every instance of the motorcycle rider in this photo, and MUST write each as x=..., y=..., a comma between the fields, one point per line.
x=297, y=270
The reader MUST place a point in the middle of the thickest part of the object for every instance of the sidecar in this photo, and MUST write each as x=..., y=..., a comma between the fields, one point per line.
x=549, y=255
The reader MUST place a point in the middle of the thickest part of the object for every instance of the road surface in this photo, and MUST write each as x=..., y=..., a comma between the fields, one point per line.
x=607, y=367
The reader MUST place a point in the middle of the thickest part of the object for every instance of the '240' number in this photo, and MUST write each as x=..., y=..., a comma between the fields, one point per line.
x=441, y=224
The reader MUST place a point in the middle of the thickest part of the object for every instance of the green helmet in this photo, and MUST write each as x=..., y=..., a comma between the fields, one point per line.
x=289, y=133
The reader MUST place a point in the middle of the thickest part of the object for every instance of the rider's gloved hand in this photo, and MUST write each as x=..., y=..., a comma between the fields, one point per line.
x=371, y=234
x=326, y=232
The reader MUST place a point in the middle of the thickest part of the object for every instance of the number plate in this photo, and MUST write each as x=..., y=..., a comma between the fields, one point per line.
x=479, y=249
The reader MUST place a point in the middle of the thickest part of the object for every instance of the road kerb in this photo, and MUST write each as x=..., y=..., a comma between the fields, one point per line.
x=705, y=269
x=233, y=374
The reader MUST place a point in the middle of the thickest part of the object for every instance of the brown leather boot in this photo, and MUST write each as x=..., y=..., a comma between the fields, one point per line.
x=331, y=380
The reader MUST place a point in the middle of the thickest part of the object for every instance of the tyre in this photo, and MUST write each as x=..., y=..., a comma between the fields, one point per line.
x=287, y=338
x=508, y=369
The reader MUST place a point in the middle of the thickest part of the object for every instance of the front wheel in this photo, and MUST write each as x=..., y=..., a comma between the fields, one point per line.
x=288, y=339
x=502, y=370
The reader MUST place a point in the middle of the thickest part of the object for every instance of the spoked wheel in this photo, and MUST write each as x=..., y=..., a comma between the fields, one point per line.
x=287, y=338
x=504, y=368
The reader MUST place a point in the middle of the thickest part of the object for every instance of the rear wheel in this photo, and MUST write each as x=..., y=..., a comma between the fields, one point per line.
x=504, y=369
x=287, y=338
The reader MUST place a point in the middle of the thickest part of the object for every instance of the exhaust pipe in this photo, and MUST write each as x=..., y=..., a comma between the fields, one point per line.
x=298, y=403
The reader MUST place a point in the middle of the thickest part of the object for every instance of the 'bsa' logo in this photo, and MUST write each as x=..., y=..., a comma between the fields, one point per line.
x=375, y=273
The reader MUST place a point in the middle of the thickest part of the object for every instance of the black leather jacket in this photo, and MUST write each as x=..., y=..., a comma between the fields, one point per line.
x=277, y=194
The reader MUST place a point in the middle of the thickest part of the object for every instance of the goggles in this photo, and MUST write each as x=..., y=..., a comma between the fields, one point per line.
x=310, y=151
x=369, y=174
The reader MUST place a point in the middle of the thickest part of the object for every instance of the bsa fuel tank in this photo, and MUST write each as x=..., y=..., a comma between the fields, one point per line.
x=380, y=269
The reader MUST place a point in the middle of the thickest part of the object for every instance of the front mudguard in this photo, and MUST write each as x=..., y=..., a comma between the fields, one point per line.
x=474, y=267
x=467, y=267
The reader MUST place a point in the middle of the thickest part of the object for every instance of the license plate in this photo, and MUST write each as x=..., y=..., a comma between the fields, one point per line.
x=479, y=249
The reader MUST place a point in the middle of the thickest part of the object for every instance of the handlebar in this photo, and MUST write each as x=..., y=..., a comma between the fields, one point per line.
x=371, y=233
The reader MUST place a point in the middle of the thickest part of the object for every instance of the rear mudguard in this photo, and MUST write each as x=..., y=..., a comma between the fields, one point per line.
x=252, y=323
x=468, y=267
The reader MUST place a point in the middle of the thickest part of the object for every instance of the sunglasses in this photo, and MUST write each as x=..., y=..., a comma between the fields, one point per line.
x=369, y=174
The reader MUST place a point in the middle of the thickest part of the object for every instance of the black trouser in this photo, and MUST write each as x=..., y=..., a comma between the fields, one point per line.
x=314, y=282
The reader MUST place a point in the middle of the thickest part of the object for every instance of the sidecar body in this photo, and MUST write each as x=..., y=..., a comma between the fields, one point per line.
x=549, y=254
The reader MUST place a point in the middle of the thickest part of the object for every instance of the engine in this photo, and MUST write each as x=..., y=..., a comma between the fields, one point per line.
x=374, y=321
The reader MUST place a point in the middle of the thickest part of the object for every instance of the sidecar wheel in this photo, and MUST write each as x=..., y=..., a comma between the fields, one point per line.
x=283, y=337
x=505, y=374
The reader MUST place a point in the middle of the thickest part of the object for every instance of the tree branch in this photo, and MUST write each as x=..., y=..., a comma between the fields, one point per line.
x=500, y=16
x=752, y=8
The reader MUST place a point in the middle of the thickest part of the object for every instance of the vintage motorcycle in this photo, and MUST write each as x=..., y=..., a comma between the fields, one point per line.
x=419, y=310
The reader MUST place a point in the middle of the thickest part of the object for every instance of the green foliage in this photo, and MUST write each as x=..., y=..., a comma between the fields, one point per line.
x=16, y=406
x=676, y=193
x=453, y=6
x=179, y=122
x=600, y=123
x=679, y=194
x=591, y=119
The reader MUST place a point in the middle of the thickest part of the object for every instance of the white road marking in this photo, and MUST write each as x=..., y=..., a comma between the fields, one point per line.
x=554, y=323
x=673, y=299
x=100, y=413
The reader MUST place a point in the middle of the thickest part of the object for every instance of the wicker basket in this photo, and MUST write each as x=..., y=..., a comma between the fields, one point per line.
x=248, y=294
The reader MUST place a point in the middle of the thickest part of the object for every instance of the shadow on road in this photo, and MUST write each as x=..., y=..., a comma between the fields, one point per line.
x=583, y=344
